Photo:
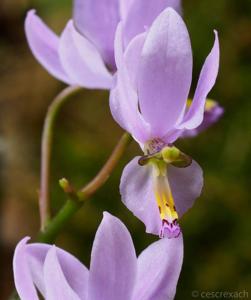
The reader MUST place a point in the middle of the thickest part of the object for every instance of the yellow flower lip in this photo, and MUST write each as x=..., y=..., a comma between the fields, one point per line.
x=159, y=156
x=165, y=201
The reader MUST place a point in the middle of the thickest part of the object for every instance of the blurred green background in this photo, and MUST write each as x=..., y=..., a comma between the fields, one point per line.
x=217, y=231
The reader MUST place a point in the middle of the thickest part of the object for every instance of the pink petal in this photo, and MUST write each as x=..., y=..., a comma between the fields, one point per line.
x=56, y=284
x=124, y=7
x=74, y=271
x=123, y=98
x=113, y=262
x=136, y=189
x=97, y=20
x=44, y=45
x=28, y=266
x=165, y=72
x=210, y=117
x=159, y=268
x=132, y=57
x=82, y=60
x=22, y=275
x=208, y=75
x=186, y=185
x=141, y=15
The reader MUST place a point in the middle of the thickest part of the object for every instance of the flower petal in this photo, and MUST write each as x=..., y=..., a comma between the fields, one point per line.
x=124, y=7
x=97, y=20
x=208, y=75
x=123, y=98
x=136, y=189
x=74, y=271
x=165, y=72
x=56, y=284
x=113, y=262
x=159, y=268
x=44, y=45
x=22, y=275
x=82, y=61
x=211, y=116
x=186, y=185
x=141, y=15
x=28, y=265
x=132, y=57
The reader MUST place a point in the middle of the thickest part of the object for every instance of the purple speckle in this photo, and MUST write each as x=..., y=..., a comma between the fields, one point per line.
x=170, y=230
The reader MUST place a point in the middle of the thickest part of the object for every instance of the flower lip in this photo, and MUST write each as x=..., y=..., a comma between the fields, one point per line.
x=170, y=230
x=160, y=156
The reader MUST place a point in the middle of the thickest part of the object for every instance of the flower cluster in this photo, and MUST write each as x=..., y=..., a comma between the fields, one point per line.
x=145, y=60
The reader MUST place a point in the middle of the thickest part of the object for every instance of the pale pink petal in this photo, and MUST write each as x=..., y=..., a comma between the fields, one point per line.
x=56, y=285
x=28, y=266
x=124, y=7
x=136, y=189
x=132, y=57
x=159, y=268
x=186, y=185
x=44, y=45
x=210, y=117
x=142, y=13
x=208, y=75
x=113, y=262
x=165, y=72
x=22, y=274
x=82, y=61
x=123, y=98
x=98, y=20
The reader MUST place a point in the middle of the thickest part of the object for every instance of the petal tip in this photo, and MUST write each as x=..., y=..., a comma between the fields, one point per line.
x=108, y=217
x=170, y=11
x=30, y=17
x=106, y=214
x=24, y=240
x=31, y=12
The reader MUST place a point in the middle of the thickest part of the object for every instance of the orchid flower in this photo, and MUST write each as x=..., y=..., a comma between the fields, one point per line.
x=84, y=54
x=149, y=101
x=115, y=271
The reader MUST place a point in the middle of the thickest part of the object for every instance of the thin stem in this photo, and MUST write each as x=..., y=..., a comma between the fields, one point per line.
x=75, y=202
x=59, y=222
x=47, y=136
x=108, y=167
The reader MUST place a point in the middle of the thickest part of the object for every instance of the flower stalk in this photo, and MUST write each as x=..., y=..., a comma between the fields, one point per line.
x=76, y=198
x=47, y=137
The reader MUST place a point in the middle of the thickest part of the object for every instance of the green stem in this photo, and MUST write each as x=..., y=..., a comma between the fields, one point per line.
x=59, y=222
x=76, y=200
x=47, y=137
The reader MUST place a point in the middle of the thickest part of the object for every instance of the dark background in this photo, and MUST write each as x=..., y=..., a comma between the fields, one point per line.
x=217, y=231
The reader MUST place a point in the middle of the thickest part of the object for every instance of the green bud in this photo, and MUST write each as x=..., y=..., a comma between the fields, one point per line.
x=64, y=183
x=66, y=186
